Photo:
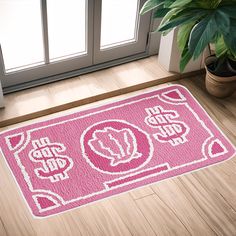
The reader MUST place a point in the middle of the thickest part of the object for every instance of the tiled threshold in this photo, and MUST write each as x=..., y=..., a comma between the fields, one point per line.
x=58, y=96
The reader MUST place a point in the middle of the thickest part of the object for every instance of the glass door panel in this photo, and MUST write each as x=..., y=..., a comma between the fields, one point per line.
x=44, y=38
x=67, y=28
x=119, y=29
x=119, y=22
x=21, y=34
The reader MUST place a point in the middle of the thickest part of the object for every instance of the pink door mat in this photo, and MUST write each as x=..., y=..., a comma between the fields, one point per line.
x=67, y=162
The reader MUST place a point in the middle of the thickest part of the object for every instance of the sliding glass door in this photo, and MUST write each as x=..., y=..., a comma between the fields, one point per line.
x=43, y=38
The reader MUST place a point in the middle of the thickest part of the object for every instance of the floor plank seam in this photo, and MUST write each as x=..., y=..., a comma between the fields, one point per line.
x=3, y=225
x=226, y=201
x=142, y=196
x=199, y=214
x=173, y=213
x=145, y=218
x=120, y=217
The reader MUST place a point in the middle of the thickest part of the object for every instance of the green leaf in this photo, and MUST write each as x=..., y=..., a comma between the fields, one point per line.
x=220, y=47
x=168, y=3
x=149, y=5
x=230, y=39
x=222, y=21
x=180, y=3
x=183, y=35
x=214, y=3
x=167, y=17
x=227, y=2
x=202, y=34
x=164, y=33
x=216, y=37
x=230, y=42
x=173, y=23
x=208, y=4
x=229, y=10
x=161, y=12
x=177, y=17
x=185, y=58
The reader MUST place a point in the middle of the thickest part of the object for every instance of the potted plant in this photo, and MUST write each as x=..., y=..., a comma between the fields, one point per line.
x=203, y=24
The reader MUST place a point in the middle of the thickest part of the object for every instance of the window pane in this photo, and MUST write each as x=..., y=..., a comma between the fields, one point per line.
x=66, y=28
x=119, y=22
x=21, y=33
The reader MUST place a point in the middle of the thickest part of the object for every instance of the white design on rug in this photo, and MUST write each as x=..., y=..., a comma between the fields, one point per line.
x=87, y=158
x=171, y=131
x=55, y=165
x=119, y=146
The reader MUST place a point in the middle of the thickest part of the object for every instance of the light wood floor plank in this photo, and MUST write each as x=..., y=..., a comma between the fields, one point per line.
x=3, y=231
x=131, y=215
x=162, y=219
x=99, y=219
x=219, y=180
x=210, y=205
x=171, y=195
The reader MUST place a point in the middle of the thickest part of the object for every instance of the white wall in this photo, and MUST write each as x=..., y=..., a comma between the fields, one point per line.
x=1, y=97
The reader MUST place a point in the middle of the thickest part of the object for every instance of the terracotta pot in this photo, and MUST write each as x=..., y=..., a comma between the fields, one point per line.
x=219, y=86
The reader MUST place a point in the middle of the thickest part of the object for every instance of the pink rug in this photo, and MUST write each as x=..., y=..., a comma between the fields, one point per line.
x=70, y=161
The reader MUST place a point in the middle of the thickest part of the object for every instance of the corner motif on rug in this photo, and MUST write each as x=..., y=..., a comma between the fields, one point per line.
x=216, y=148
x=44, y=202
x=14, y=141
x=174, y=95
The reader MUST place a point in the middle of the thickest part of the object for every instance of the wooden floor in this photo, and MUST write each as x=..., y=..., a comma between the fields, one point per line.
x=200, y=203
